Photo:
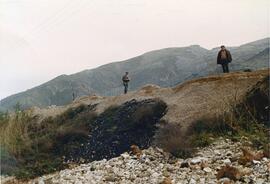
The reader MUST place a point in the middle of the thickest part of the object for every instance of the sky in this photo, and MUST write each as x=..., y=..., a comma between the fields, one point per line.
x=41, y=39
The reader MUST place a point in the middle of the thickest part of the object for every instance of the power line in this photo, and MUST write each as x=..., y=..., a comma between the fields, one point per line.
x=61, y=15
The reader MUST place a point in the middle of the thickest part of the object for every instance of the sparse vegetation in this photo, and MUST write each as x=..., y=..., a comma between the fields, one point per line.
x=171, y=138
x=42, y=147
x=37, y=148
x=246, y=119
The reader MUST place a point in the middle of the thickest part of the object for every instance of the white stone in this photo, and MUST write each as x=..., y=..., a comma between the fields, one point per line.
x=155, y=175
x=227, y=161
x=125, y=155
x=41, y=181
x=202, y=181
x=260, y=181
x=256, y=162
x=196, y=161
x=216, y=152
x=223, y=180
x=192, y=181
x=207, y=170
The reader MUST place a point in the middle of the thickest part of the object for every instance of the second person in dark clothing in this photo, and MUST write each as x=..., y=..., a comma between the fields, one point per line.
x=224, y=58
x=125, y=80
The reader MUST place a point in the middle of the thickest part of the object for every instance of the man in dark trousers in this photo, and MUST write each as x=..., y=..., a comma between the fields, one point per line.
x=224, y=58
x=125, y=80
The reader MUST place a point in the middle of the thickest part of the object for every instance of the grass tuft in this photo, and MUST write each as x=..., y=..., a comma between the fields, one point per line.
x=38, y=148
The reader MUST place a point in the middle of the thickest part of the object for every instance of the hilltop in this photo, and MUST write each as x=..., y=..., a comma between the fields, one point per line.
x=183, y=101
x=177, y=119
x=165, y=68
x=170, y=125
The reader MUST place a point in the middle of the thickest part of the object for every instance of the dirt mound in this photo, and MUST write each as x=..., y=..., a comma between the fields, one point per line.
x=187, y=102
x=148, y=89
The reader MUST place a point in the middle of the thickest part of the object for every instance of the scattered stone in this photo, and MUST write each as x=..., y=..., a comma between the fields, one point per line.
x=155, y=166
x=195, y=161
x=110, y=178
x=224, y=181
x=217, y=152
x=227, y=161
x=260, y=181
x=234, y=159
x=204, y=164
x=207, y=170
x=125, y=155
x=229, y=153
x=184, y=164
x=192, y=181
x=256, y=162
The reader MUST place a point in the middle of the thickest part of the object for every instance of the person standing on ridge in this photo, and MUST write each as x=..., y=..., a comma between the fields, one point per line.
x=125, y=80
x=224, y=58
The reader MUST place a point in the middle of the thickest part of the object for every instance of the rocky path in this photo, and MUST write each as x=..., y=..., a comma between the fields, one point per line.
x=156, y=166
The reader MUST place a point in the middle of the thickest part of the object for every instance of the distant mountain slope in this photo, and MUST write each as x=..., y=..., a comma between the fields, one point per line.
x=165, y=67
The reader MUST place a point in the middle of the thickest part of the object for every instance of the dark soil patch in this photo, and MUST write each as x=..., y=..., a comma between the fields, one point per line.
x=115, y=130
x=258, y=101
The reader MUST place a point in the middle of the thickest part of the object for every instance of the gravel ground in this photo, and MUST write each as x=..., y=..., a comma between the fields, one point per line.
x=156, y=166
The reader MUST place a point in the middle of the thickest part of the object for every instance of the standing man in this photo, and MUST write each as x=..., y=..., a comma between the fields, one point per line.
x=224, y=58
x=125, y=80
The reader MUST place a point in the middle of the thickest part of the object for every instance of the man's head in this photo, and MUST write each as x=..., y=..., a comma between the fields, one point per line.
x=126, y=73
x=222, y=47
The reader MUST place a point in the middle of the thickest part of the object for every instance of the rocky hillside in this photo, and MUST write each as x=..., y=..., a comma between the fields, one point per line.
x=95, y=133
x=165, y=68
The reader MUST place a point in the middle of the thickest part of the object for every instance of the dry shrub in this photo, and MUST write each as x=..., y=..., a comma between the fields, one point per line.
x=266, y=150
x=135, y=150
x=37, y=147
x=149, y=89
x=171, y=138
x=166, y=180
x=149, y=111
x=229, y=172
x=249, y=156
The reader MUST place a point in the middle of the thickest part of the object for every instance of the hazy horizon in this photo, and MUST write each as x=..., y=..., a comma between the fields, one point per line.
x=41, y=40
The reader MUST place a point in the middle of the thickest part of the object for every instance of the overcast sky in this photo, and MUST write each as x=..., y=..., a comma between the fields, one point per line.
x=41, y=39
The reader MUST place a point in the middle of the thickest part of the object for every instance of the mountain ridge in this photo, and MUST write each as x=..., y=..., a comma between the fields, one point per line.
x=164, y=67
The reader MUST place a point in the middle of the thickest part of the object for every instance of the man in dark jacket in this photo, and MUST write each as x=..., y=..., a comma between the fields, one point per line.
x=224, y=58
x=125, y=80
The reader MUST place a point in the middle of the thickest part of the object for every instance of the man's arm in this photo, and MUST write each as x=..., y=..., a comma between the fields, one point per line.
x=229, y=55
x=218, y=58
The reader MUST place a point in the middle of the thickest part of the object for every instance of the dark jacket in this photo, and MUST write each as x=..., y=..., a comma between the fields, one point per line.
x=125, y=78
x=229, y=57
